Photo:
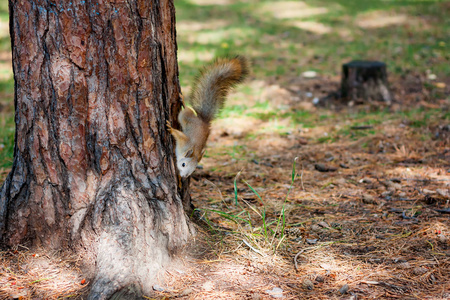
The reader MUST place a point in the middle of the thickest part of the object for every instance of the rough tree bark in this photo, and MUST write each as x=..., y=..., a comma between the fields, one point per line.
x=93, y=163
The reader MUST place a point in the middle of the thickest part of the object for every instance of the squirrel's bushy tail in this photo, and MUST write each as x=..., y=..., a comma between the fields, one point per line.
x=212, y=85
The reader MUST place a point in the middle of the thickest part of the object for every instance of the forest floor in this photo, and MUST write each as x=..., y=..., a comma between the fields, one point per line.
x=366, y=216
x=353, y=205
x=298, y=200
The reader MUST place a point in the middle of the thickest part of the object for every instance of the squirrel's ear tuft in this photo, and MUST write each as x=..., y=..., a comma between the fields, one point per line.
x=189, y=153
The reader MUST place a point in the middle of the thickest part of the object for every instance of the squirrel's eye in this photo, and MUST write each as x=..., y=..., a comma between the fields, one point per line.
x=183, y=165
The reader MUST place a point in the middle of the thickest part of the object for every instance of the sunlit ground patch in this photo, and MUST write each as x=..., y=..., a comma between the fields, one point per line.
x=291, y=10
x=381, y=19
x=6, y=72
x=312, y=26
x=187, y=56
x=4, y=29
x=25, y=275
x=194, y=26
x=211, y=2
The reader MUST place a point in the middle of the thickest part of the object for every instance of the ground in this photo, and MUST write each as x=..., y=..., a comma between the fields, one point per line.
x=298, y=200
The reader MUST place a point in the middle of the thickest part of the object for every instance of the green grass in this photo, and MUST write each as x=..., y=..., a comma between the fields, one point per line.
x=261, y=110
x=446, y=115
x=6, y=88
x=305, y=118
x=420, y=118
x=5, y=43
x=355, y=134
x=414, y=117
x=6, y=140
x=326, y=139
x=4, y=13
x=7, y=127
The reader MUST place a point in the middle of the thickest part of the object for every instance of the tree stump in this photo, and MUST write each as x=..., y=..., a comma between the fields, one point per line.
x=365, y=80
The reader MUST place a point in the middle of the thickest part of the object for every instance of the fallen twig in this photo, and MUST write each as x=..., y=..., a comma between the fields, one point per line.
x=363, y=127
x=382, y=283
x=250, y=246
x=300, y=252
x=295, y=258
x=301, y=179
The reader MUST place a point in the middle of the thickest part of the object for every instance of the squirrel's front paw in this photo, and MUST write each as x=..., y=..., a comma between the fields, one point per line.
x=169, y=126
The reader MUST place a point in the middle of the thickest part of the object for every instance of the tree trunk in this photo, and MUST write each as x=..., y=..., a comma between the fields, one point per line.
x=365, y=80
x=93, y=167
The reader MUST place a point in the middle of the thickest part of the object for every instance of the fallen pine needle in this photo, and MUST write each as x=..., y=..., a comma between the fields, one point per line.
x=42, y=279
x=369, y=282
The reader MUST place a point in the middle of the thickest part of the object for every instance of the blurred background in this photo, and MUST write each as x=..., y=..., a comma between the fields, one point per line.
x=285, y=38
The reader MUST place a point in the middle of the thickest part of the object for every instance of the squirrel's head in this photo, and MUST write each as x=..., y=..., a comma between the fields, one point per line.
x=187, y=163
x=186, y=166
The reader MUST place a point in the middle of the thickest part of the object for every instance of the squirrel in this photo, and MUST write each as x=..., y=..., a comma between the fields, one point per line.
x=207, y=97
